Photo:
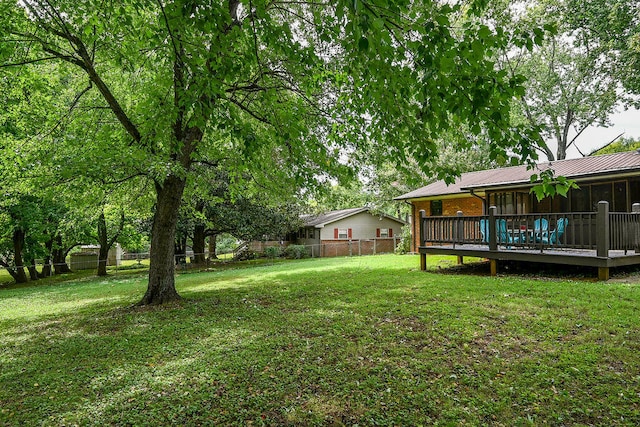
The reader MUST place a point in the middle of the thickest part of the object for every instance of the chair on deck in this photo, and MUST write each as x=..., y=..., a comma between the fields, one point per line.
x=540, y=226
x=553, y=237
x=484, y=230
x=504, y=236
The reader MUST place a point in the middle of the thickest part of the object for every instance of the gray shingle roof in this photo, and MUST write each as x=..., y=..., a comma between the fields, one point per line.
x=321, y=220
x=582, y=168
x=329, y=217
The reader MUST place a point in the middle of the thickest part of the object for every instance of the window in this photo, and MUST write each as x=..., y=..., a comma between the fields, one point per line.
x=601, y=192
x=580, y=199
x=619, y=197
x=634, y=191
x=513, y=202
x=342, y=233
x=384, y=232
x=436, y=208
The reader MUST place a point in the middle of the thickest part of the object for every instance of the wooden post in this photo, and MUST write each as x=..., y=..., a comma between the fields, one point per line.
x=459, y=230
x=635, y=208
x=603, y=273
x=602, y=237
x=602, y=230
x=423, y=262
x=493, y=234
x=421, y=229
x=460, y=260
x=493, y=263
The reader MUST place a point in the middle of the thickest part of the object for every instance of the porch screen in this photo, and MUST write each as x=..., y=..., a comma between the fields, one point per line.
x=634, y=191
x=581, y=199
x=599, y=193
x=510, y=203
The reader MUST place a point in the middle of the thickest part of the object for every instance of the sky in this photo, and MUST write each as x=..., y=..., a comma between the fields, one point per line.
x=595, y=137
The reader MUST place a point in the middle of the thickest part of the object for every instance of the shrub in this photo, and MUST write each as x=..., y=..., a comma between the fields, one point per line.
x=245, y=256
x=225, y=243
x=404, y=246
x=272, y=251
x=296, y=251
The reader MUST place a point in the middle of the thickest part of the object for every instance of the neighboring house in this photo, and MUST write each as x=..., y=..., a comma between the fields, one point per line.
x=348, y=224
x=614, y=178
x=492, y=214
x=355, y=231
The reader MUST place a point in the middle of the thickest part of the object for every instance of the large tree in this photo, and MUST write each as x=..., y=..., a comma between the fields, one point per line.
x=307, y=82
x=613, y=28
x=573, y=82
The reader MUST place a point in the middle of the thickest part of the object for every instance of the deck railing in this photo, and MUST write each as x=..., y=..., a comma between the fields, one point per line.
x=601, y=231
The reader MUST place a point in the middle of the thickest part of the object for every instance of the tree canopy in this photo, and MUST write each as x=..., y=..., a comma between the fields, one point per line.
x=575, y=78
x=304, y=90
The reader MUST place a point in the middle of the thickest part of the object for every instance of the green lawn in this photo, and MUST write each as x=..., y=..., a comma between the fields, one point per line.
x=367, y=340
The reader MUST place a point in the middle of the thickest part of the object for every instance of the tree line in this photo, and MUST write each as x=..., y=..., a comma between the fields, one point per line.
x=190, y=118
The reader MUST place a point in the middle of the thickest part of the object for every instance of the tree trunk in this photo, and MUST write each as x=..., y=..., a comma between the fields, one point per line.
x=18, y=246
x=60, y=265
x=59, y=256
x=180, y=250
x=33, y=271
x=46, y=266
x=199, y=238
x=213, y=240
x=103, y=253
x=161, y=287
x=10, y=269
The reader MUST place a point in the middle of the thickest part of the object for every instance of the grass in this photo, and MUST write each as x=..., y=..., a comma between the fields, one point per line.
x=368, y=341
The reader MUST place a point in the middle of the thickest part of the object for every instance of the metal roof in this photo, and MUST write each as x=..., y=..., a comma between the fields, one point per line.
x=319, y=221
x=579, y=169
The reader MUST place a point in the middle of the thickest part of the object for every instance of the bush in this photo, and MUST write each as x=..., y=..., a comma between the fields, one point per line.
x=296, y=251
x=272, y=251
x=225, y=243
x=404, y=246
x=245, y=256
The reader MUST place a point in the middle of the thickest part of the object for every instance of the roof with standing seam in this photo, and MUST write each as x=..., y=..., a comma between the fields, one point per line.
x=578, y=169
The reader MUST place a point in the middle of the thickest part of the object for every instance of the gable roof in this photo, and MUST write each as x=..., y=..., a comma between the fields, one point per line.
x=610, y=165
x=319, y=221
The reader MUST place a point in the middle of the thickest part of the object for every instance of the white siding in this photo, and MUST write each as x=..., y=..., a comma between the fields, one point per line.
x=363, y=226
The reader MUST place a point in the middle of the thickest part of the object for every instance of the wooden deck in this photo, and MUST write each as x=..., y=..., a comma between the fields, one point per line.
x=580, y=257
x=603, y=240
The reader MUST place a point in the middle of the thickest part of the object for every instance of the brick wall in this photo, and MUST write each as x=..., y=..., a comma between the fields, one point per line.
x=469, y=205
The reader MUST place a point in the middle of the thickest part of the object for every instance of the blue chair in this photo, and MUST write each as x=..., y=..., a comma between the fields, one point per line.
x=553, y=237
x=504, y=236
x=484, y=230
x=540, y=226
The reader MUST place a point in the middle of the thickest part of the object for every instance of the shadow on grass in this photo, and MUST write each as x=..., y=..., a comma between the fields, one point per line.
x=369, y=342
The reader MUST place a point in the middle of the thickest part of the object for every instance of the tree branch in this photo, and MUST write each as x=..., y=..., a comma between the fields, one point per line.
x=31, y=61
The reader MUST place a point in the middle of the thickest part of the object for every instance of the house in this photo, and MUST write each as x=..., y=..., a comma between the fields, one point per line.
x=355, y=231
x=350, y=232
x=613, y=179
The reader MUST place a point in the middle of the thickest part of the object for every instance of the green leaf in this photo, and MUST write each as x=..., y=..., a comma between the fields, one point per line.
x=363, y=44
